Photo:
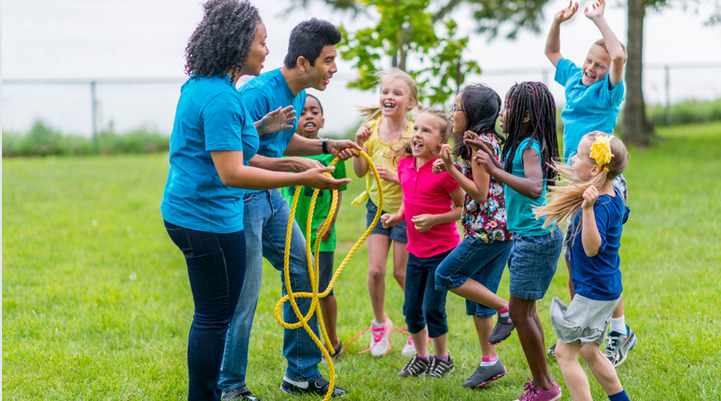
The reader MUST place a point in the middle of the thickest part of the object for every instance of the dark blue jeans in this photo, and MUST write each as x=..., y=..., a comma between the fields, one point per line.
x=216, y=269
x=423, y=303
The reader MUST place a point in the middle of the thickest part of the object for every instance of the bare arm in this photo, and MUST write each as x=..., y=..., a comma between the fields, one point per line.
x=283, y=163
x=590, y=237
x=232, y=172
x=425, y=222
x=300, y=146
x=553, y=42
x=360, y=164
x=530, y=186
x=615, y=50
x=474, y=188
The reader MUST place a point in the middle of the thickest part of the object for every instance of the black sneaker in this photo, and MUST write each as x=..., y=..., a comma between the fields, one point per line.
x=485, y=375
x=552, y=351
x=415, y=367
x=440, y=367
x=239, y=393
x=503, y=329
x=318, y=386
x=618, y=345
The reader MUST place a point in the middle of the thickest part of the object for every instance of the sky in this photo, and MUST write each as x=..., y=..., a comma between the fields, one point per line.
x=133, y=39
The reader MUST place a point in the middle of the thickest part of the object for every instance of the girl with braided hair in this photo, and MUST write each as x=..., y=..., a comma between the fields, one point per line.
x=531, y=148
x=597, y=211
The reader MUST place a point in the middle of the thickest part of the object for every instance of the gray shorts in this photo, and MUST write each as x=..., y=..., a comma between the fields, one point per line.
x=584, y=320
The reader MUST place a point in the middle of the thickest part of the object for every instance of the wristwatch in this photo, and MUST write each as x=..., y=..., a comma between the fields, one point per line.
x=325, y=146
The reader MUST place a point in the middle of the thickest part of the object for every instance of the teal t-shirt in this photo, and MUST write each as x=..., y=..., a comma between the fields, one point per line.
x=210, y=116
x=587, y=108
x=519, y=208
x=266, y=93
x=322, y=205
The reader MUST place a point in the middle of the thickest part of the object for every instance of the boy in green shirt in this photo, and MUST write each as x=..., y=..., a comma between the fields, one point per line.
x=310, y=122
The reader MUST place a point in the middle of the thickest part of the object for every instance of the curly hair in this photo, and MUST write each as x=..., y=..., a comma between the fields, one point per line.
x=308, y=38
x=480, y=105
x=222, y=40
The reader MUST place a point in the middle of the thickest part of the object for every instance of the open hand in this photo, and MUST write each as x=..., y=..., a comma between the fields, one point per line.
x=303, y=164
x=277, y=120
x=316, y=178
x=566, y=13
x=596, y=10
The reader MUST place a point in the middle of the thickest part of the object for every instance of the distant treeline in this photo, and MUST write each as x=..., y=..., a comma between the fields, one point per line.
x=43, y=140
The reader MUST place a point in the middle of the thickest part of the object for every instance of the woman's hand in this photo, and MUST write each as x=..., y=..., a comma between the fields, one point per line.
x=566, y=13
x=276, y=121
x=316, y=178
x=343, y=149
x=390, y=220
x=302, y=163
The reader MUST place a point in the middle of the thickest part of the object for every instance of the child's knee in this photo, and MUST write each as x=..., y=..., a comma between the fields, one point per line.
x=376, y=272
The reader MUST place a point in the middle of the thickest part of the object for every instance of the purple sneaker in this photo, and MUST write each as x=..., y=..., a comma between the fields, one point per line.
x=533, y=393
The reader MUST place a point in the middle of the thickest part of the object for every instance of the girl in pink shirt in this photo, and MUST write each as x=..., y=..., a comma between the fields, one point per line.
x=432, y=203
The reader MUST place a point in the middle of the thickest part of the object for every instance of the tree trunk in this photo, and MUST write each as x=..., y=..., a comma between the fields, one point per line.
x=636, y=128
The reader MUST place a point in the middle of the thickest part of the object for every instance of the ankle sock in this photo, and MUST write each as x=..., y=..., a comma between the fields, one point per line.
x=295, y=383
x=445, y=357
x=425, y=358
x=377, y=325
x=620, y=396
x=489, y=360
x=503, y=312
x=618, y=324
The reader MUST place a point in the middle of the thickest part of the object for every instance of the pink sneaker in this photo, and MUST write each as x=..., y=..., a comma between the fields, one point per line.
x=380, y=338
x=533, y=393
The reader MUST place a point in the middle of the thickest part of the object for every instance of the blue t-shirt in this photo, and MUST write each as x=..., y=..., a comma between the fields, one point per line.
x=519, y=208
x=210, y=116
x=587, y=108
x=599, y=277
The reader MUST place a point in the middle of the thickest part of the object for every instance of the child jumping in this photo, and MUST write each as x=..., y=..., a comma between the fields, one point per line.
x=431, y=205
x=597, y=211
x=474, y=268
x=379, y=137
x=529, y=120
x=594, y=94
x=310, y=122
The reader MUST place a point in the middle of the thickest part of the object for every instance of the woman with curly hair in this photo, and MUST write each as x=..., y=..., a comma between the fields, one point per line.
x=202, y=206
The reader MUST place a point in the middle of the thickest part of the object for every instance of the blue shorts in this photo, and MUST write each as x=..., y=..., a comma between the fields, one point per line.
x=325, y=271
x=396, y=233
x=532, y=264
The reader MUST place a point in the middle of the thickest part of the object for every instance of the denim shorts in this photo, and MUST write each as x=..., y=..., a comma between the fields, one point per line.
x=476, y=260
x=396, y=233
x=532, y=264
x=619, y=183
x=325, y=271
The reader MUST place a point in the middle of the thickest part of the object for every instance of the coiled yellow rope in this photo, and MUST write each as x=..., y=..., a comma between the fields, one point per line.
x=313, y=267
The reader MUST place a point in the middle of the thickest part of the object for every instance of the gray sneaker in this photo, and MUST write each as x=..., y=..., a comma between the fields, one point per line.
x=440, y=367
x=485, y=375
x=618, y=345
x=502, y=330
x=415, y=367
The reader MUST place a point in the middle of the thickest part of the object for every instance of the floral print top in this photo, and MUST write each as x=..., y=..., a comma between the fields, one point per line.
x=486, y=222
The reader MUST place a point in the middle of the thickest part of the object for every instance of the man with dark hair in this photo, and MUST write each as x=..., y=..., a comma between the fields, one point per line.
x=310, y=63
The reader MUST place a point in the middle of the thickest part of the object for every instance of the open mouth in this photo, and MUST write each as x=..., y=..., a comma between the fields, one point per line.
x=309, y=126
x=417, y=145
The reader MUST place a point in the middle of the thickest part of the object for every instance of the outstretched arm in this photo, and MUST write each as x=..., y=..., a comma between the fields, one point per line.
x=553, y=42
x=615, y=50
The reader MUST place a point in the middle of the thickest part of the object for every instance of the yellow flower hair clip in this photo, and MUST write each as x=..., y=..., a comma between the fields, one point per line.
x=601, y=150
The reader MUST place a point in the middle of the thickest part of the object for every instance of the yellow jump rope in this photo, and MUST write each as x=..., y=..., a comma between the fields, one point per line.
x=313, y=269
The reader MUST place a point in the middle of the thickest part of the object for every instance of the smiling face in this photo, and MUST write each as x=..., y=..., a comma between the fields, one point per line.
x=427, y=137
x=595, y=68
x=395, y=99
x=458, y=117
x=319, y=74
x=584, y=167
x=257, y=53
x=311, y=119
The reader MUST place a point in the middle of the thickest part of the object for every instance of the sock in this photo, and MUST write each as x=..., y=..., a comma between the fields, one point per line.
x=377, y=325
x=295, y=383
x=489, y=360
x=620, y=396
x=618, y=325
x=425, y=358
x=444, y=357
x=503, y=312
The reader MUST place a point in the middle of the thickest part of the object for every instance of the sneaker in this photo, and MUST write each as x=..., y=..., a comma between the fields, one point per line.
x=239, y=393
x=338, y=351
x=533, y=393
x=440, y=367
x=409, y=349
x=318, y=386
x=485, y=375
x=552, y=351
x=618, y=345
x=503, y=329
x=415, y=367
x=380, y=339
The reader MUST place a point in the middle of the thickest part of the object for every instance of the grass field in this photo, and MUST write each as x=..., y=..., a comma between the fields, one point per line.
x=96, y=303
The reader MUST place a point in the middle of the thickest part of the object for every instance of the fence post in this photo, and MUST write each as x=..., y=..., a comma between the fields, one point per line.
x=93, y=114
x=668, y=94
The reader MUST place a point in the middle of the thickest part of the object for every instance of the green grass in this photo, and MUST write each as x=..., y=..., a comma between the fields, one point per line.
x=96, y=302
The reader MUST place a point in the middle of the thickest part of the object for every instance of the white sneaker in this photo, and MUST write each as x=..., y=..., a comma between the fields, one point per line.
x=380, y=338
x=409, y=349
